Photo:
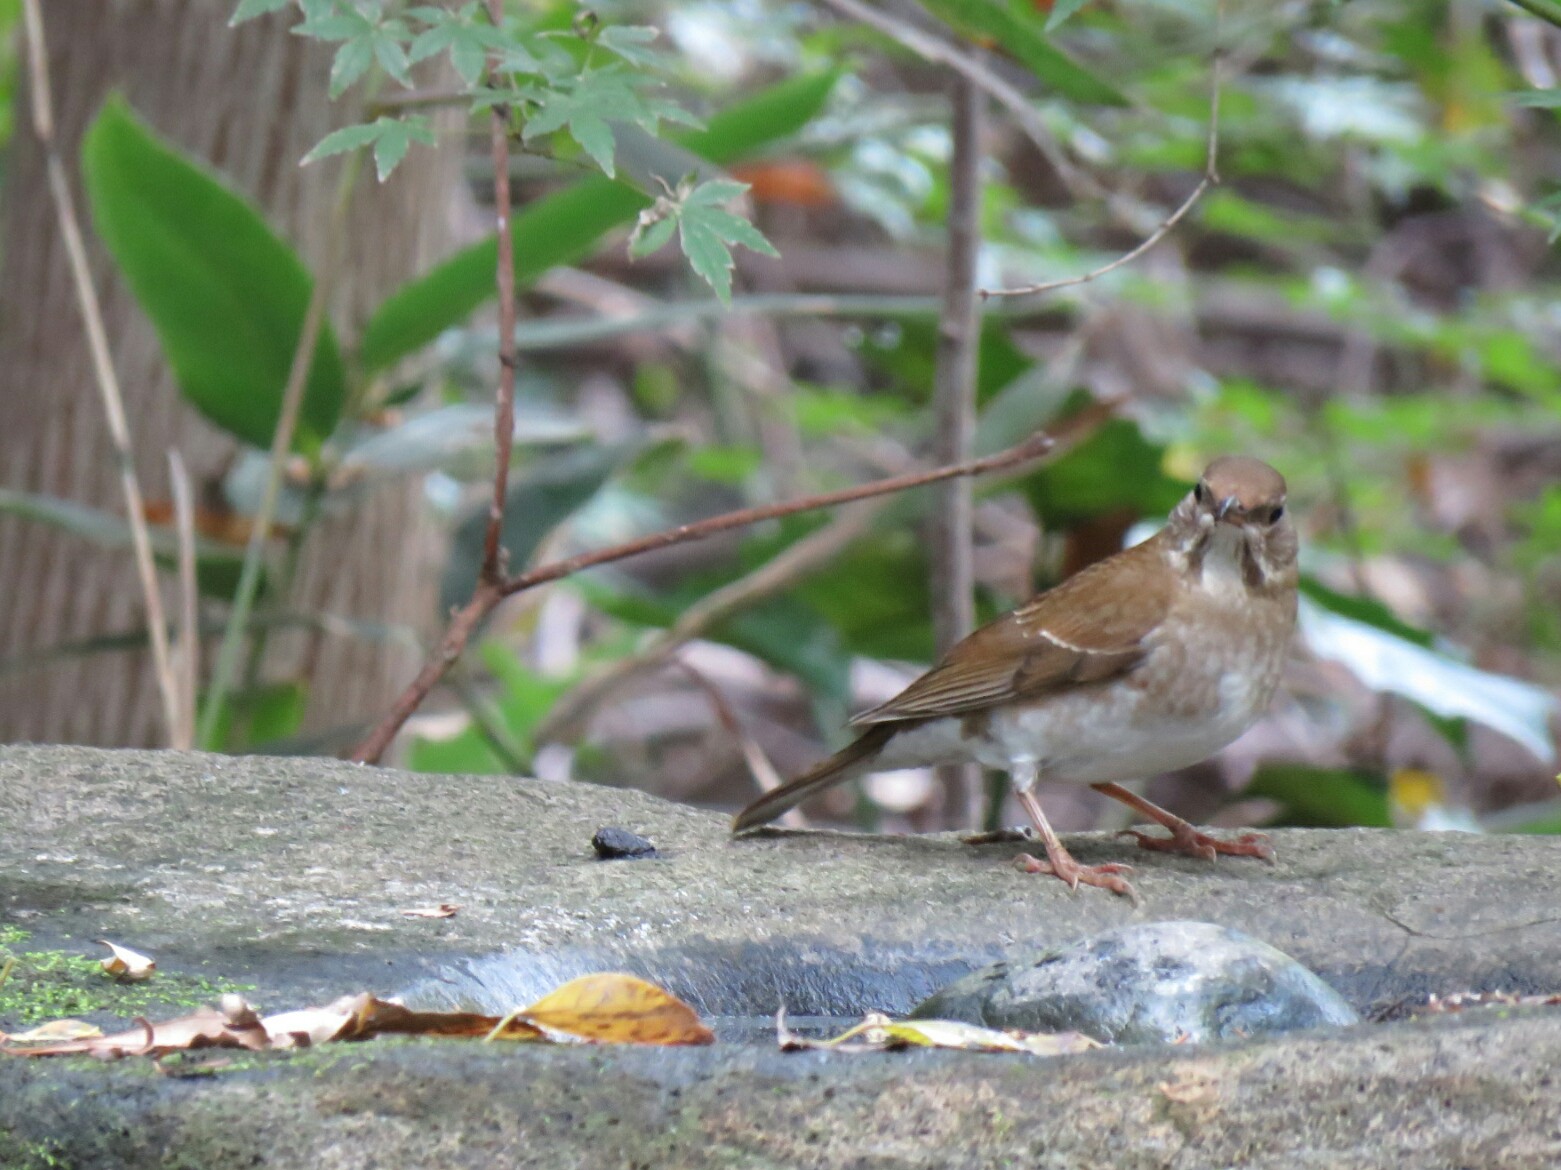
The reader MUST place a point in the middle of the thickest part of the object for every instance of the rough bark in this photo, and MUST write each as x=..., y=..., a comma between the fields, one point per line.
x=250, y=102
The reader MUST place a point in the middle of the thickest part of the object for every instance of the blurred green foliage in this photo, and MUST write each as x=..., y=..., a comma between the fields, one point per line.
x=1368, y=300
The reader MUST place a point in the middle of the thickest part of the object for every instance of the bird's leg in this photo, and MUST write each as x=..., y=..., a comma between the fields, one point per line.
x=1184, y=837
x=1059, y=862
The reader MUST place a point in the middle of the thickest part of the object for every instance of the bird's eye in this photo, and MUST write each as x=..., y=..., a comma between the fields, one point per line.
x=1276, y=513
x=1200, y=493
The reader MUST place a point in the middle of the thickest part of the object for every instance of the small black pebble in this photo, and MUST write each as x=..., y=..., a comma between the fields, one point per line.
x=612, y=844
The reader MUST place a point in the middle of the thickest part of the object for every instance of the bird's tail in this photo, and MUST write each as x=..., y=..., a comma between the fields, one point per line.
x=841, y=766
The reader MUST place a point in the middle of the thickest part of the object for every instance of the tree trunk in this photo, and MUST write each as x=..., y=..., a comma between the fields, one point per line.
x=250, y=102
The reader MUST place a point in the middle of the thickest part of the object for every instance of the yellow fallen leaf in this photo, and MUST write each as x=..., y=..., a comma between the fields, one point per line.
x=615, y=1008
x=126, y=965
x=974, y=1038
x=54, y=1031
x=879, y=1033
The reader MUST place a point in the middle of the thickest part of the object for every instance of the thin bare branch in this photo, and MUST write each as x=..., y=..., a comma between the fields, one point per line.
x=492, y=569
x=1032, y=448
x=765, y=777
x=937, y=51
x=1210, y=177
x=187, y=649
x=102, y=363
x=489, y=593
x=795, y=563
x=489, y=590
x=950, y=544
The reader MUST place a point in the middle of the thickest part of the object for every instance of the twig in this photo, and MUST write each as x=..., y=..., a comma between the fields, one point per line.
x=951, y=552
x=488, y=593
x=765, y=777
x=102, y=363
x=937, y=51
x=492, y=570
x=1032, y=448
x=189, y=643
x=489, y=590
x=793, y=564
x=1210, y=177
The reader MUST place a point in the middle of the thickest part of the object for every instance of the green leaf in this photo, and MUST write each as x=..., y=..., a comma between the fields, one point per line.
x=1323, y=797
x=351, y=62
x=1539, y=99
x=391, y=138
x=226, y=296
x=1018, y=32
x=652, y=239
x=1115, y=469
x=706, y=231
x=630, y=42
x=259, y=716
x=1062, y=10
x=249, y=9
x=394, y=142
x=343, y=140
x=586, y=106
x=562, y=228
x=1364, y=609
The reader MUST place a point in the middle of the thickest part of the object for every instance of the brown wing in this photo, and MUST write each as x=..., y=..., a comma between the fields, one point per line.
x=1089, y=628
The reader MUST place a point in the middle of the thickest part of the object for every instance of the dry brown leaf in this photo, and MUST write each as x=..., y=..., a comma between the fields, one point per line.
x=443, y=910
x=615, y=1008
x=126, y=965
x=363, y=1016
x=597, y=1008
x=879, y=1033
x=234, y=1025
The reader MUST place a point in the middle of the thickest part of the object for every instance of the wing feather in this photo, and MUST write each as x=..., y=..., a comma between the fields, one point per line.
x=1090, y=628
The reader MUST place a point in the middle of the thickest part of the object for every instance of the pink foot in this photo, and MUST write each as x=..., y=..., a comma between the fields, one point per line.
x=1188, y=840
x=1066, y=869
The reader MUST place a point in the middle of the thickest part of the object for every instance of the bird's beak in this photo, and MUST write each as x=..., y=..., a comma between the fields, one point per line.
x=1223, y=508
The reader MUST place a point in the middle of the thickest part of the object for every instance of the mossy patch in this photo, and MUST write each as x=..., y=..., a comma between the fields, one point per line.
x=41, y=985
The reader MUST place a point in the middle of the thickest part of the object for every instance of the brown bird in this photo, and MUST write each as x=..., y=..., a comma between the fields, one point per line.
x=1150, y=660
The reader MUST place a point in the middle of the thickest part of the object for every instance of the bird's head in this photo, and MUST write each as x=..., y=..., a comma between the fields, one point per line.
x=1236, y=515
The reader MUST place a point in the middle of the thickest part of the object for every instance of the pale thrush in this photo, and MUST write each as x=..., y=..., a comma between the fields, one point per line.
x=1150, y=660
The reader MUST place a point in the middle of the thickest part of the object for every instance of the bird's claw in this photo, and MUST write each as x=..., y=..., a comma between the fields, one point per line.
x=1073, y=874
x=1202, y=845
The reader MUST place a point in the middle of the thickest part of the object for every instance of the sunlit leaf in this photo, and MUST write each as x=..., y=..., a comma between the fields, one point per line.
x=617, y=1009
x=880, y=1033
x=1436, y=681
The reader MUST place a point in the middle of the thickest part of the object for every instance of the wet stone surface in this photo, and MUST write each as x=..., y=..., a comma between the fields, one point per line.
x=292, y=875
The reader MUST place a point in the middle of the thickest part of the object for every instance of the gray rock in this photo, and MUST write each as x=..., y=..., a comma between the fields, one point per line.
x=1165, y=982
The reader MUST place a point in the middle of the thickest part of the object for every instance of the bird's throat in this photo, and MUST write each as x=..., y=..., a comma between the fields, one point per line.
x=1225, y=562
